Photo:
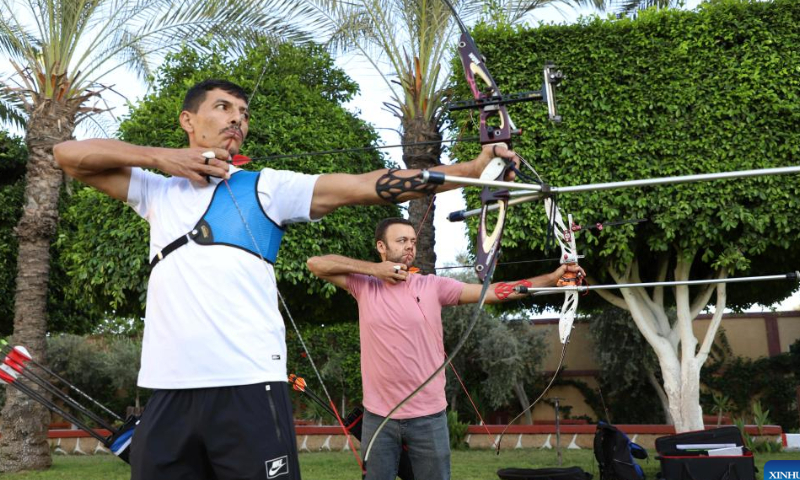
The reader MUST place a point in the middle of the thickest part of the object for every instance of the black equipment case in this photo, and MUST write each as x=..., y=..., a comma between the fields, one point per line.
x=569, y=473
x=685, y=456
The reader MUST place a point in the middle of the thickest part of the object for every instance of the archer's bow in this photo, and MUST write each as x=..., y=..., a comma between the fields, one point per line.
x=495, y=127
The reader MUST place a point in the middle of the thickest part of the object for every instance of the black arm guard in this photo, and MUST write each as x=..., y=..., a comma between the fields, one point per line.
x=390, y=186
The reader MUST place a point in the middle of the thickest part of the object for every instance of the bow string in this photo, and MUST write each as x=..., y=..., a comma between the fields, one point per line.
x=564, y=236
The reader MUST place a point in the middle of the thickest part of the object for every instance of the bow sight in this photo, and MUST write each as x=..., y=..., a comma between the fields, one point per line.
x=552, y=77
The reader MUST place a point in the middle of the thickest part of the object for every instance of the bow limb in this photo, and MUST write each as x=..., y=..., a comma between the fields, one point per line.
x=488, y=242
x=569, y=256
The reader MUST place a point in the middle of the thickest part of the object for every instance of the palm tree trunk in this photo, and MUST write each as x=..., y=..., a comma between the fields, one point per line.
x=24, y=444
x=421, y=210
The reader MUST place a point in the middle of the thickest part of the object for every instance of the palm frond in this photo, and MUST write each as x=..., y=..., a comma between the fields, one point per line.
x=15, y=40
x=61, y=48
x=630, y=6
x=12, y=110
x=152, y=29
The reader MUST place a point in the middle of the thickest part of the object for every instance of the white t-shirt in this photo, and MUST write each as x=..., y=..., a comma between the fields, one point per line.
x=212, y=314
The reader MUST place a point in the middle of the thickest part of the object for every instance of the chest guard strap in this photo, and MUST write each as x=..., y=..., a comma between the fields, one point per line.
x=222, y=225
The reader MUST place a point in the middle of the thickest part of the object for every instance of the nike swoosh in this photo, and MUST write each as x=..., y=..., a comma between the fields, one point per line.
x=275, y=467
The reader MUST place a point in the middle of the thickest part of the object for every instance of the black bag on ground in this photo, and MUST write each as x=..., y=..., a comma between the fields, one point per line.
x=686, y=456
x=569, y=473
x=615, y=452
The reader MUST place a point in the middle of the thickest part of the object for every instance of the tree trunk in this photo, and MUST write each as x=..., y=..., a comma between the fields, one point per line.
x=24, y=445
x=681, y=378
x=682, y=387
x=651, y=378
x=519, y=390
x=421, y=210
x=676, y=345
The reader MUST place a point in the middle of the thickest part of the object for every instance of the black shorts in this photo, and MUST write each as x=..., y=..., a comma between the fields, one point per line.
x=244, y=433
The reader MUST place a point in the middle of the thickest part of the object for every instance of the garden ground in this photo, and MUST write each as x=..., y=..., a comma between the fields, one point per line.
x=467, y=465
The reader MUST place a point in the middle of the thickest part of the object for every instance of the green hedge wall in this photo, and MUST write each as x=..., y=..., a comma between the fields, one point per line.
x=668, y=93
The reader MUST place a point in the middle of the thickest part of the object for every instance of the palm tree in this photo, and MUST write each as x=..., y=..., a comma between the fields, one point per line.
x=412, y=38
x=627, y=7
x=60, y=52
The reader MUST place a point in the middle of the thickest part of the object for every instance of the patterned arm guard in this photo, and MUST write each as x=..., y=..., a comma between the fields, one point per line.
x=390, y=186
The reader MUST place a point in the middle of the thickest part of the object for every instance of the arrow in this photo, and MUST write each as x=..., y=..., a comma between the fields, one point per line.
x=9, y=377
x=15, y=361
x=4, y=349
x=299, y=384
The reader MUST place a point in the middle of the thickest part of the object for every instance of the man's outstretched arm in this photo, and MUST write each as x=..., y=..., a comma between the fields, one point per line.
x=339, y=189
x=336, y=268
x=106, y=164
x=472, y=291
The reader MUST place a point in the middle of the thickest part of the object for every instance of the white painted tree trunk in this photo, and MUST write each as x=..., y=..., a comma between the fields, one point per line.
x=673, y=339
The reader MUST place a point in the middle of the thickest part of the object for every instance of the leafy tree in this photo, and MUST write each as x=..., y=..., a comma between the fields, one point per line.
x=336, y=351
x=121, y=366
x=629, y=375
x=500, y=362
x=631, y=6
x=773, y=380
x=668, y=93
x=296, y=108
x=65, y=315
x=104, y=367
x=60, y=52
x=12, y=170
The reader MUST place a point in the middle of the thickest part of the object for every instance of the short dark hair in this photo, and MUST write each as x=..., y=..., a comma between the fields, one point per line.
x=197, y=94
x=383, y=225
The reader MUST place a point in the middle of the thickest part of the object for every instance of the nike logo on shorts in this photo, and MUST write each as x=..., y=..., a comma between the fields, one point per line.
x=277, y=467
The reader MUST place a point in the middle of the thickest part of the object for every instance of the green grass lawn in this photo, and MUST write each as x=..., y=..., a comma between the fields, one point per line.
x=467, y=465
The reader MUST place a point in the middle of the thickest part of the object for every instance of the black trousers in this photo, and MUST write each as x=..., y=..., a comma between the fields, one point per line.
x=227, y=433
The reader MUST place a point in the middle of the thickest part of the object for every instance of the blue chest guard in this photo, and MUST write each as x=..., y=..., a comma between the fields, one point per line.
x=222, y=224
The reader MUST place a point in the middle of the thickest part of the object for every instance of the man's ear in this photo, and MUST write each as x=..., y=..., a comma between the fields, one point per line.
x=381, y=247
x=186, y=121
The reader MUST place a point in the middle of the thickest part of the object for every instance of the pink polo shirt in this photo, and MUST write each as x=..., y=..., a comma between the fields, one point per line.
x=401, y=341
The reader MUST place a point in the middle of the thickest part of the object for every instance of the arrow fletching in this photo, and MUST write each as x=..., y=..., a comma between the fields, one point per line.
x=239, y=160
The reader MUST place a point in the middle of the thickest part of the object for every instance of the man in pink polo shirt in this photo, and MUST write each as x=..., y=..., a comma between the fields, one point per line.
x=401, y=345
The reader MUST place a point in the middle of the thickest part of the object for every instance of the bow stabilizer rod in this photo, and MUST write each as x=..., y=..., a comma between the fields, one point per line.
x=536, y=291
x=532, y=191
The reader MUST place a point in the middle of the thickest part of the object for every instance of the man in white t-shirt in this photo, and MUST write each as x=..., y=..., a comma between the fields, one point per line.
x=214, y=341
